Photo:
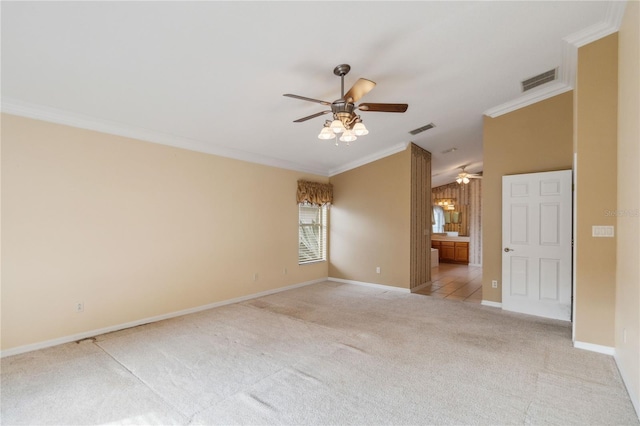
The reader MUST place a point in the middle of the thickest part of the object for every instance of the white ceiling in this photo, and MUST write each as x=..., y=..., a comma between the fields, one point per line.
x=210, y=76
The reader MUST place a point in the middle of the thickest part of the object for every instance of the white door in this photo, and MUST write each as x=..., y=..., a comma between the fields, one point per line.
x=536, y=244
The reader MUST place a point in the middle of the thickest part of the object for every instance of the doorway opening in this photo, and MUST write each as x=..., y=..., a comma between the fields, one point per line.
x=455, y=282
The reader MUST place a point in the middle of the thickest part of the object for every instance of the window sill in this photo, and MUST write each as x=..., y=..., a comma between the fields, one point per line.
x=310, y=262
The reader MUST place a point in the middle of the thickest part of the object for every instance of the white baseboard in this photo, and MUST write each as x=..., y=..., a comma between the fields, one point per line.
x=110, y=329
x=632, y=395
x=607, y=350
x=378, y=286
x=492, y=304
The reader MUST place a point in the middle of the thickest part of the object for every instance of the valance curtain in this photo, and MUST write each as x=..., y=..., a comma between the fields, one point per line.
x=315, y=193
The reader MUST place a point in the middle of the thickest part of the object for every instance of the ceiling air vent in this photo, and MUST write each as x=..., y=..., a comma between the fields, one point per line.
x=539, y=79
x=422, y=129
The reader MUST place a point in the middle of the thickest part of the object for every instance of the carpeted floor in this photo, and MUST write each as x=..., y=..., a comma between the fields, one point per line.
x=323, y=354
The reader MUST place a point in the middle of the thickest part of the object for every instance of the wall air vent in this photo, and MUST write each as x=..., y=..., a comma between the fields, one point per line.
x=539, y=79
x=422, y=129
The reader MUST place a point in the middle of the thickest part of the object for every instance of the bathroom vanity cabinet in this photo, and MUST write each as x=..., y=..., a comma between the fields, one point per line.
x=452, y=249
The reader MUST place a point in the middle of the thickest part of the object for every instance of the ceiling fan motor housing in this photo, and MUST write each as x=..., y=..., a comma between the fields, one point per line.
x=342, y=106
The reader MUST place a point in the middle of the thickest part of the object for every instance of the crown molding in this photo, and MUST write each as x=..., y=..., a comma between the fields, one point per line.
x=565, y=82
x=370, y=158
x=53, y=115
x=610, y=25
x=545, y=92
x=568, y=68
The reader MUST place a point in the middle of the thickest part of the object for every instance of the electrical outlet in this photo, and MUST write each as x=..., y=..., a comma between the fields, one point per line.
x=377, y=269
x=284, y=271
x=255, y=276
x=79, y=307
x=494, y=284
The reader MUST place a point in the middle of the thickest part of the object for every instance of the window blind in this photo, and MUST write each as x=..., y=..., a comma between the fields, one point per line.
x=312, y=233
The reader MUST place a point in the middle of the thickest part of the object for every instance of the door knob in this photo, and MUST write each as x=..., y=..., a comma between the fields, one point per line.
x=507, y=250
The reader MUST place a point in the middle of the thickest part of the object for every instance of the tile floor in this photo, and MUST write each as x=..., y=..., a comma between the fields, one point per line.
x=455, y=282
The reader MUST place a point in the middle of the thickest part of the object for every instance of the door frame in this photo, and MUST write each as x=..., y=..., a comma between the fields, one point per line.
x=574, y=191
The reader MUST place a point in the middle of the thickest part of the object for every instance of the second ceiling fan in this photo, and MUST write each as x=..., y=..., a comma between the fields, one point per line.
x=345, y=120
x=464, y=176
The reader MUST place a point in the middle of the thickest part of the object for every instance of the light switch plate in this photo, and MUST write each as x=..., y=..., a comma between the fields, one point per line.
x=602, y=231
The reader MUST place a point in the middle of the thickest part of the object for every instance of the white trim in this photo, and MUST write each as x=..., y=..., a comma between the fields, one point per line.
x=567, y=71
x=615, y=14
x=545, y=92
x=569, y=66
x=81, y=121
x=53, y=115
x=607, y=350
x=93, y=333
x=611, y=24
x=492, y=304
x=370, y=158
x=590, y=34
x=378, y=286
x=574, y=267
x=632, y=396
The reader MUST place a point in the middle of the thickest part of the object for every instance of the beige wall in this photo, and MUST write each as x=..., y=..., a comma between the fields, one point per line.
x=536, y=138
x=628, y=223
x=595, y=140
x=133, y=230
x=370, y=222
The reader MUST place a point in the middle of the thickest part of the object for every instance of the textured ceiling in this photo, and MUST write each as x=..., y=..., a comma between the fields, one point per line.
x=210, y=76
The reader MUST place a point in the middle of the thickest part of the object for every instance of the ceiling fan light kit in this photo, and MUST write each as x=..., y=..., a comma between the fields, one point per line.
x=359, y=129
x=337, y=126
x=346, y=122
x=326, y=133
x=463, y=176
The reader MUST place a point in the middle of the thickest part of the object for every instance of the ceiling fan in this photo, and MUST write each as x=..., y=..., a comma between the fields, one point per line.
x=463, y=176
x=345, y=120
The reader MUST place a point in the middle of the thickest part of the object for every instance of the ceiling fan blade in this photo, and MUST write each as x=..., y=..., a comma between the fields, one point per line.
x=361, y=88
x=304, y=98
x=383, y=107
x=309, y=117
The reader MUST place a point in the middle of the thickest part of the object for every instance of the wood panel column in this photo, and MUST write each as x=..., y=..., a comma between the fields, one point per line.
x=420, y=217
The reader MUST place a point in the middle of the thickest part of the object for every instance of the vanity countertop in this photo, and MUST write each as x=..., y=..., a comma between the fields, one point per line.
x=447, y=238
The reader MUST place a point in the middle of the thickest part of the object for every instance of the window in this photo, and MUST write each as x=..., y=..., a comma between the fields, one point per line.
x=312, y=233
x=438, y=219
